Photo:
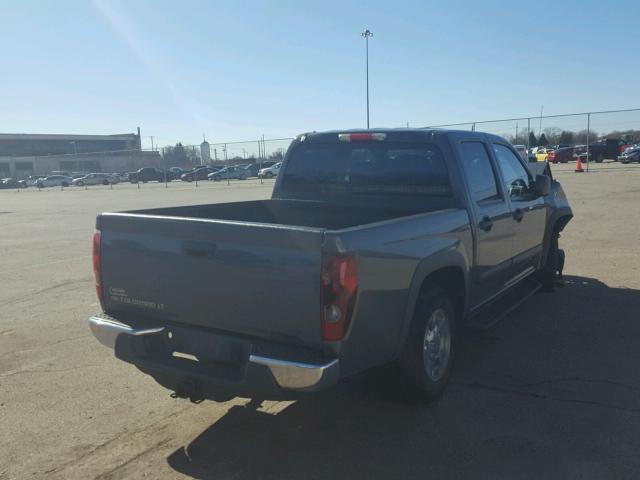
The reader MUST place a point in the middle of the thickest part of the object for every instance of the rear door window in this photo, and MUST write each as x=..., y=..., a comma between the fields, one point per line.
x=478, y=171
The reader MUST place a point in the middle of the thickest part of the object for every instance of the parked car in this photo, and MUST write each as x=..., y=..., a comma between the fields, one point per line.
x=562, y=155
x=8, y=183
x=30, y=181
x=542, y=153
x=228, y=173
x=609, y=149
x=630, y=155
x=271, y=171
x=200, y=173
x=375, y=247
x=146, y=174
x=54, y=181
x=96, y=179
x=252, y=169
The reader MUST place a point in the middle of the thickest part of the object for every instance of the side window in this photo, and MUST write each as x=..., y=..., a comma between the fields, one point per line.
x=517, y=181
x=479, y=172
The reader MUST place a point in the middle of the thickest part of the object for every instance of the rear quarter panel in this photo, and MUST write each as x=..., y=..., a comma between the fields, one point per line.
x=394, y=257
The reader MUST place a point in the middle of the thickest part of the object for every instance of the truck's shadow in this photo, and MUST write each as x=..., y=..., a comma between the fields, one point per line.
x=535, y=397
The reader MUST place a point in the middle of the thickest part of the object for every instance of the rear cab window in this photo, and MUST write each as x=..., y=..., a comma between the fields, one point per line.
x=388, y=168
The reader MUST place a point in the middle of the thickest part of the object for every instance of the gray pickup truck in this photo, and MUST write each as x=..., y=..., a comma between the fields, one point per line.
x=376, y=246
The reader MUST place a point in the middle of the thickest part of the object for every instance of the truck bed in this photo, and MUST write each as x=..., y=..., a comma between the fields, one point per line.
x=226, y=266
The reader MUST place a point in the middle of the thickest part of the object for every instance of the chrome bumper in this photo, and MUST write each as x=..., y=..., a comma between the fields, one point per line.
x=289, y=375
x=300, y=376
x=107, y=331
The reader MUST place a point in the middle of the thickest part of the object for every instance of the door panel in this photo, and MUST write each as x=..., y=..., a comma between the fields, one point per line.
x=494, y=227
x=528, y=209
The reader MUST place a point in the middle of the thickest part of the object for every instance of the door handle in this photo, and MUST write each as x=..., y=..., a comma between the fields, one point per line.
x=518, y=215
x=486, y=223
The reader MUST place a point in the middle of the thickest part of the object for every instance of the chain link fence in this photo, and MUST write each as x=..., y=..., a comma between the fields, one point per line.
x=583, y=130
x=568, y=129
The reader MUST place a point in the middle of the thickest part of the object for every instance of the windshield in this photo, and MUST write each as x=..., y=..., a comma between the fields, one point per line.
x=367, y=168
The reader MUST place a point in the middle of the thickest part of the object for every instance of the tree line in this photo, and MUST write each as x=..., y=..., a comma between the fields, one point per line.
x=182, y=156
x=555, y=136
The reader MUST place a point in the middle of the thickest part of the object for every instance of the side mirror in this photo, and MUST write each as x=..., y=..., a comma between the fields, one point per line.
x=542, y=185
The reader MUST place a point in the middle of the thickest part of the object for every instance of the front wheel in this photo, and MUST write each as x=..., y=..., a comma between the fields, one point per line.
x=428, y=354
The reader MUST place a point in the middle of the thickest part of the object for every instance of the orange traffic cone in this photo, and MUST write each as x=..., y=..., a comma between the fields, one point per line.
x=579, y=168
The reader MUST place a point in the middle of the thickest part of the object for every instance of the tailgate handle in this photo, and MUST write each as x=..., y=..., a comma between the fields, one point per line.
x=199, y=249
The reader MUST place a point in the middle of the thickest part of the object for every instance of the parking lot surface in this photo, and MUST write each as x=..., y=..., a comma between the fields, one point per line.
x=552, y=392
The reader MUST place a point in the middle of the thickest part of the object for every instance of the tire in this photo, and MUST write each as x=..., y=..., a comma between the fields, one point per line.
x=65, y=184
x=80, y=184
x=433, y=327
x=547, y=275
x=105, y=182
x=599, y=158
x=268, y=175
x=216, y=179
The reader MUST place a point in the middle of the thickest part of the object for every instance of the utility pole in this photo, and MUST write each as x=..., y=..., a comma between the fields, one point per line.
x=151, y=137
x=366, y=34
x=540, y=124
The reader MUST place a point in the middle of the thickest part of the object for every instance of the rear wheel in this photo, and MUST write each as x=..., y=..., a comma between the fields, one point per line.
x=428, y=354
x=65, y=184
x=105, y=182
x=268, y=175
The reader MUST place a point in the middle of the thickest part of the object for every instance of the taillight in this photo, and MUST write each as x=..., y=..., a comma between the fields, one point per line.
x=339, y=289
x=96, y=267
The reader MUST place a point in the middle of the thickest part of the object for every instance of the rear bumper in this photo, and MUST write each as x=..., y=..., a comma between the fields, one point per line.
x=215, y=364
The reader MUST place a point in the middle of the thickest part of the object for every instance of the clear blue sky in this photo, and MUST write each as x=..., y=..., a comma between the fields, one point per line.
x=239, y=69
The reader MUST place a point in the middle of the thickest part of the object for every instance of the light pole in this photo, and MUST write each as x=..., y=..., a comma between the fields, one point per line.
x=366, y=34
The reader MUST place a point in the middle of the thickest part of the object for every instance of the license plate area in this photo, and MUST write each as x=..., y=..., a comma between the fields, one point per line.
x=206, y=348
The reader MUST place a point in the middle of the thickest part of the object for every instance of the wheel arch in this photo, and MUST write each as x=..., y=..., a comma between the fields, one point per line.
x=555, y=225
x=447, y=271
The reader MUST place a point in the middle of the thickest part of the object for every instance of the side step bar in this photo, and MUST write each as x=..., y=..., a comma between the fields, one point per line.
x=489, y=316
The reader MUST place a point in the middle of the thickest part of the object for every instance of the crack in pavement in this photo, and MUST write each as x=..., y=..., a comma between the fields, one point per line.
x=74, y=461
x=44, y=290
x=155, y=446
x=491, y=388
x=526, y=383
x=19, y=372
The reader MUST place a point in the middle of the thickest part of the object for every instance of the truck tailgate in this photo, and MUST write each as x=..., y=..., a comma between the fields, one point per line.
x=254, y=279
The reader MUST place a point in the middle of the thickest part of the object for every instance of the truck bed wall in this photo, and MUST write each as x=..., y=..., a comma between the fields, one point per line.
x=330, y=216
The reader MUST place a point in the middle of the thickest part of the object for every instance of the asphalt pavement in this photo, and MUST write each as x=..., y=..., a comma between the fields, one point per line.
x=552, y=392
